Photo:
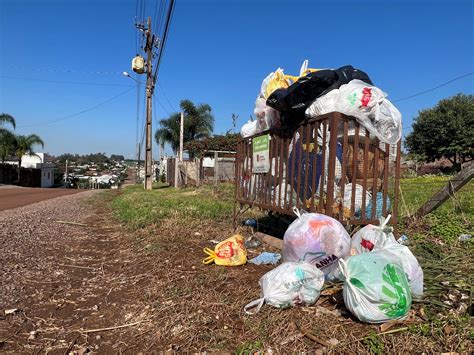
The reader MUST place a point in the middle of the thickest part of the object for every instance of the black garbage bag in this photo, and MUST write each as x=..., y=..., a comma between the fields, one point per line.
x=295, y=99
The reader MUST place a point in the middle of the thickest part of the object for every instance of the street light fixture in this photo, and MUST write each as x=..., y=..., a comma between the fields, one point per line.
x=131, y=77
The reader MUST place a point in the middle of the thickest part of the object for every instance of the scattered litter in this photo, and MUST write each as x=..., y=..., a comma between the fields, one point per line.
x=316, y=239
x=266, y=258
x=197, y=234
x=375, y=289
x=230, y=252
x=290, y=284
x=11, y=311
x=213, y=241
x=33, y=335
x=464, y=237
x=252, y=243
x=250, y=222
x=403, y=240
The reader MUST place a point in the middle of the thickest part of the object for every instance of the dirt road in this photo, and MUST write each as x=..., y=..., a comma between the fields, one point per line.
x=59, y=282
x=12, y=197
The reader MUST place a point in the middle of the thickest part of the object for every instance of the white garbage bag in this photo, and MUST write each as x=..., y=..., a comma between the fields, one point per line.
x=375, y=289
x=381, y=237
x=367, y=103
x=324, y=104
x=290, y=284
x=359, y=192
x=370, y=236
x=249, y=129
x=316, y=239
x=373, y=110
x=283, y=198
x=401, y=254
x=267, y=117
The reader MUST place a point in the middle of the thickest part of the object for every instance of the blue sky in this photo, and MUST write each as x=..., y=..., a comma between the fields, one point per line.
x=217, y=52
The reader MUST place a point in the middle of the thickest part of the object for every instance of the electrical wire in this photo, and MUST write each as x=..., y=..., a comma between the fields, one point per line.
x=161, y=17
x=165, y=36
x=164, y=109
x=434, y=88
x=62, y=71
x=63, y=82
x=158, y=15
x=81, y=112
x=137, y=115
x=166, y=97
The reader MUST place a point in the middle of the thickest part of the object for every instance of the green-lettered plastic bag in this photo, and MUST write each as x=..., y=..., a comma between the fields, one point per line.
x=376, y=289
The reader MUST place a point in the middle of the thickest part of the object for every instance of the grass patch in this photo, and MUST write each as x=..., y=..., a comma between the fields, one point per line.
x=139, y=208
x=416, y=191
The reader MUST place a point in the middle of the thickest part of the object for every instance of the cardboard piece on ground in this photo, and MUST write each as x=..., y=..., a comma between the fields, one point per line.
x=268, y=239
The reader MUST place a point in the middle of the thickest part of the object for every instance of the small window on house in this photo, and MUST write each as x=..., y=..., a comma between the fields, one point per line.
x=44, y=174
x=49, y=175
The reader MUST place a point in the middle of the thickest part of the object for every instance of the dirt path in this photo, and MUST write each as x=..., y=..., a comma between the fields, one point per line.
x=12, y=197
x=65, y=280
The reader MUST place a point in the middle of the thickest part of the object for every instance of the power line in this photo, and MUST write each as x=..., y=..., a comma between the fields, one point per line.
x=156, y=22
x=161, y=105
x=434, y=88
x=165, y=36
x=81, y=112
x=166, y=97
x=63, y=82
x=63, y=71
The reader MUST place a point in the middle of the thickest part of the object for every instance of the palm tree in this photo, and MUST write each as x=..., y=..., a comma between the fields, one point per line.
x=24, y=145
x=198, y=123
x=6, y=118
x=7, y=144
x=7, y=138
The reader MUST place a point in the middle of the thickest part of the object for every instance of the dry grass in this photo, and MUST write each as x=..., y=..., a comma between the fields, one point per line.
x=197, y=307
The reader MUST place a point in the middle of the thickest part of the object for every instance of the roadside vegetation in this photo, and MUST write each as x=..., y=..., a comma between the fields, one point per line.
x=200, y=306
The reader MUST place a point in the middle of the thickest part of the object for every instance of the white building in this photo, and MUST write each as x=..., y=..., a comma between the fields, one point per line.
x=37, y=162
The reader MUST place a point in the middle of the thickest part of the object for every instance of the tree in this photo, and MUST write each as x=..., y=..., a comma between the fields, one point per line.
x=7, y=138
x=25, y=145
x=198, y=123
x=7, y=144
x=6, y=118
x=116, y=157
x=226, y=142
x=445, y=131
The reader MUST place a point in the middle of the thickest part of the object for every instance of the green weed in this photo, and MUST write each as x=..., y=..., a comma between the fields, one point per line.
x=249, y=347
x=374, y=344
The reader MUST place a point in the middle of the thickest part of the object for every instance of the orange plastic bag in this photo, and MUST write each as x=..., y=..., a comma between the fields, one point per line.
x=230, y=252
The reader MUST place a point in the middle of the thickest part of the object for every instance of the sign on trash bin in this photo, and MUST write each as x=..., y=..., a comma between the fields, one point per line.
x=261, y=159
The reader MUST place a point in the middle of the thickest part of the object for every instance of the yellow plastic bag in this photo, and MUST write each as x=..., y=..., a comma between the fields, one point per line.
x=230, y=252
x=278, y=80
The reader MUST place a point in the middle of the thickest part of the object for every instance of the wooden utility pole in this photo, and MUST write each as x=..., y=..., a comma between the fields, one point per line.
x=181, y=137
x=65, y=175
x=149, y=95
x=138, y=162
x=453, y=185
x=179, y=159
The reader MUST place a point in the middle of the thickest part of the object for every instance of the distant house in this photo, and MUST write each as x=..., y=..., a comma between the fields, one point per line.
x=41, y=162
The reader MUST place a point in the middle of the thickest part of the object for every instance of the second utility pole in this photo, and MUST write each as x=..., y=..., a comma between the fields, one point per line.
x=149, y=95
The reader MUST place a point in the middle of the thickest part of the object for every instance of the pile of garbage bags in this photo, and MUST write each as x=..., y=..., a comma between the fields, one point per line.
x=286, y=100
x=380, y=276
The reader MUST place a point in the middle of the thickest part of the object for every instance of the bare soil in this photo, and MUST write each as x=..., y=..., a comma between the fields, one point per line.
x=64, y=280
x=97, y=287
x=12, y=197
